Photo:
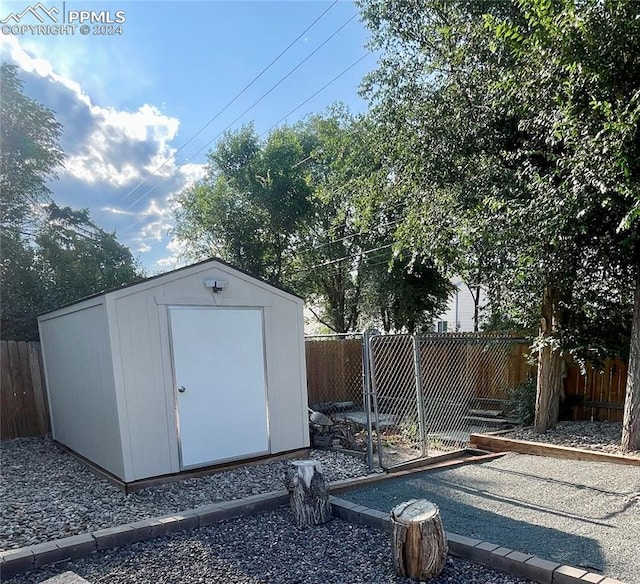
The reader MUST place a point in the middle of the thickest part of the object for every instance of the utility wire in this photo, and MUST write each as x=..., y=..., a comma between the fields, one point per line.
x=316, y=93
x=143, y=196
x=233, y=100
x=348, y=257
x=354, y=234
x=146, y=194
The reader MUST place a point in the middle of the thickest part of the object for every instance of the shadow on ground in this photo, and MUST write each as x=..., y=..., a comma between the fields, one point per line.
x=460, y=515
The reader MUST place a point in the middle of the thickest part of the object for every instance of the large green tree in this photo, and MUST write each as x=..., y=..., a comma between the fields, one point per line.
x=335, y=249
x=252, y=203
x=291, y=208
x=49, y=256
x=512, y=131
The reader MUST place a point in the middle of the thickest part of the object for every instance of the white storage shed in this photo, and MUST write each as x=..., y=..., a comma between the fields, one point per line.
x=198, y=366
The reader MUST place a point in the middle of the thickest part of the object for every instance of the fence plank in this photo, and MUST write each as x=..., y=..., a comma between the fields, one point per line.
x=597, y=395
x=7, y=429
x=23, y=399
x=38, y=385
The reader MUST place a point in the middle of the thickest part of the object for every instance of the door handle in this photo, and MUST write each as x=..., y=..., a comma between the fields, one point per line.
x=182, y=389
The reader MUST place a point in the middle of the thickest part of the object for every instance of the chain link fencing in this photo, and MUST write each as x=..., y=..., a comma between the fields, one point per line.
x=430, y=392
x=406, y=397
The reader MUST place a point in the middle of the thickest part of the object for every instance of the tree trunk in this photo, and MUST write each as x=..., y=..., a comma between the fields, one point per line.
x=308, y=493
x=419, y=543
x=549, y=366
x=476, y=310
x=631, y=420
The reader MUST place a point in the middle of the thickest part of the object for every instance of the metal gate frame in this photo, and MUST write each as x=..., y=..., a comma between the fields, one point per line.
x=476, y=371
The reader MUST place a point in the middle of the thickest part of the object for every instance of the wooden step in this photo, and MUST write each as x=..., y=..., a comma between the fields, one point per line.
x=487, y=413
x=491, y=421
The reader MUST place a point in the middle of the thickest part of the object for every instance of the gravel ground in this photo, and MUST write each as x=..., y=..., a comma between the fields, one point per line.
x=584, y=514
x=602, y=436
x=265, y=548
x=47, y=493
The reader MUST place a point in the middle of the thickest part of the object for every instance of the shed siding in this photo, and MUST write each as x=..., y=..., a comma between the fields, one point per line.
x=80, y=384
x=143, y=351
x=285, y=365
x=143, y=388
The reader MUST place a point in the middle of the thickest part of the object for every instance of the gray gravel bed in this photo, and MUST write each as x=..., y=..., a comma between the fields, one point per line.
x=47, y=493
x=584, y=514
x=261, y=549
x=601, y=436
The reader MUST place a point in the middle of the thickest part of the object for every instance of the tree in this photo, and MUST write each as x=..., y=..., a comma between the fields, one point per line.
x=30, y=154
x=50, y=255
x=251, y=204
x=76, y=258
x=337, y=244
x=405, y=293
x=589, y=124
x=509, y=135
x=69, y=258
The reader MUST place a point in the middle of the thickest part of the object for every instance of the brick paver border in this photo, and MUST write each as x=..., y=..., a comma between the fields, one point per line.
x=21, y=560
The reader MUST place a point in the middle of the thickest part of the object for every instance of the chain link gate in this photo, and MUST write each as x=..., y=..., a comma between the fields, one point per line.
x=430, y=392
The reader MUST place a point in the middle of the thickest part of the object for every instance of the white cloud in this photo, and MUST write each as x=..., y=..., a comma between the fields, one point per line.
x=115, y=159
x=119, y=148
x=115, y=211
x=177, y=257
x=146, y=132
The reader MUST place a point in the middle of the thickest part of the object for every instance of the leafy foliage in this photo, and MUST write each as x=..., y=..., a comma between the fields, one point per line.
x=522, y=402
x=290, y=209
x=29, y=136
x=511, y=131
x=251, y=204
x=51, y=255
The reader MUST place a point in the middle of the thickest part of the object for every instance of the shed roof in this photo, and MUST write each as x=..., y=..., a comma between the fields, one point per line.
x=164, y=274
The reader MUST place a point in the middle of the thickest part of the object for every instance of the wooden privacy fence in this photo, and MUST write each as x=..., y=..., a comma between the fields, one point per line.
x=23, y=402
x=334, y=370
x=598, y=395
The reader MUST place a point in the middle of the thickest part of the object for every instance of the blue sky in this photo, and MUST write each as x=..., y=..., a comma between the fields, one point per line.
x=129, y=102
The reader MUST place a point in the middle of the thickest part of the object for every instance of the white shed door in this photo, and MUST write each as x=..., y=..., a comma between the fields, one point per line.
x=218, y=356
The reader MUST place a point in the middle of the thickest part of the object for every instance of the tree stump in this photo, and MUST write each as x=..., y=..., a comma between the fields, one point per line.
x=419, y=543
x=308, y=493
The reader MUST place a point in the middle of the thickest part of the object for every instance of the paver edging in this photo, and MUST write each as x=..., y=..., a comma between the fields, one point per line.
x=17, y=561
x=25, y=559
x=485, y=553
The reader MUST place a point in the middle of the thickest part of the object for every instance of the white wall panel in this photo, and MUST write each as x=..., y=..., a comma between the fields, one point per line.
x=80, y=385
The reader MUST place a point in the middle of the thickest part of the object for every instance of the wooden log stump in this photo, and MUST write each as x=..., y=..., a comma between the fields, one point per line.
x=308, y=493
x=419, y=544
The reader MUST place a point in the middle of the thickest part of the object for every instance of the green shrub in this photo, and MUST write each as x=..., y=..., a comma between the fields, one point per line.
x=522, y=403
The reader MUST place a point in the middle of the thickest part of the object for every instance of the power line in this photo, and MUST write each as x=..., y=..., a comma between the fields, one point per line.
x=317, y=92
x=233, y=100
x=143, y=196
x=354, y=234
x=348, y=257
x=137, y=222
